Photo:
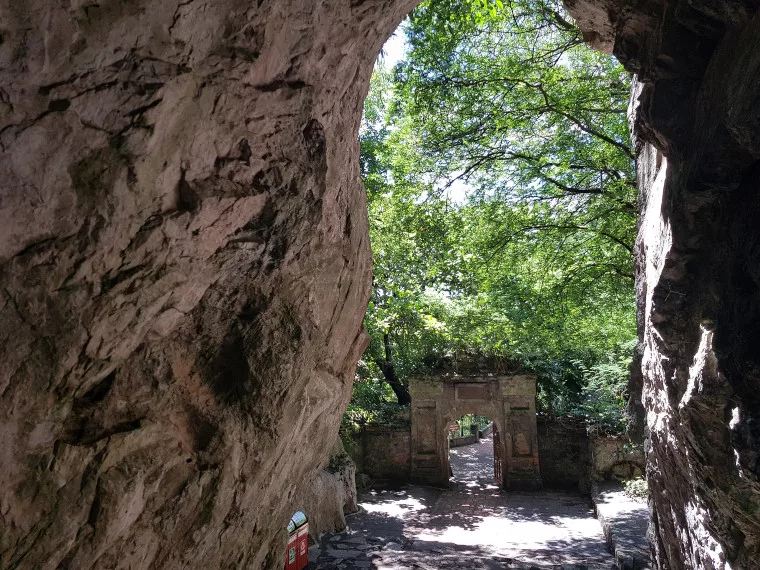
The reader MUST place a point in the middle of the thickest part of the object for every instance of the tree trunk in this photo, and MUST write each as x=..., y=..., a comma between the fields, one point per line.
x=389, y=372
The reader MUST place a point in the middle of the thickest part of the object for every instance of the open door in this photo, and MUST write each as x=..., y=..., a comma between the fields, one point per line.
x=497, y=458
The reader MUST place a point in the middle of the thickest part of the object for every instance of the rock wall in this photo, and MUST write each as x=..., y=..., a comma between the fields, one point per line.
x=184, y=266
x=696, y=124
x=329, y=494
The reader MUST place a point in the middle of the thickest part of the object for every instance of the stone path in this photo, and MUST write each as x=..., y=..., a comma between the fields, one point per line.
x=472, y=526
x=472, y=466
x=624, y=522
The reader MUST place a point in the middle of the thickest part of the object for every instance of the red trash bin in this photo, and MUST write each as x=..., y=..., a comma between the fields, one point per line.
x=297, y=554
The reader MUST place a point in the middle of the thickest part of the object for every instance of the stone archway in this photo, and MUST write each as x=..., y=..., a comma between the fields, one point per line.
x=509, y=401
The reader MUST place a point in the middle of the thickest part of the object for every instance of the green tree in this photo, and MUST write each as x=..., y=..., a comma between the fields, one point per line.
x=501, y=100
x=412, y=244
x=507, y=99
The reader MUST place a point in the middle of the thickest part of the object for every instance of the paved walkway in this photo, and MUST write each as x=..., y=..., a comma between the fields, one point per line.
x=625, y=523
x=472, y=466
x=472, y=526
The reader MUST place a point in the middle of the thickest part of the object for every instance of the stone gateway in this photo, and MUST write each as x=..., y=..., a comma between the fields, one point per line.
x=508, y=401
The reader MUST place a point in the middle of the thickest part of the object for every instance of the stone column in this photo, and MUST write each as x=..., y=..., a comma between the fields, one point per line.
x=522, y=470
x=429, y=443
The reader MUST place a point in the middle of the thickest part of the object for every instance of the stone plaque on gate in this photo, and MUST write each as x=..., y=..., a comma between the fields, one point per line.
x=471, y=391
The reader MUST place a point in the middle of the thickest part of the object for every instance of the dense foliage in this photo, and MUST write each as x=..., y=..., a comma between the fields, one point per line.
x=465, y=423
x=502, y=205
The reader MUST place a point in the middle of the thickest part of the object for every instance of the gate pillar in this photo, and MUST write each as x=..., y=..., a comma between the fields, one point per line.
x=429, y=449
x=522, y=470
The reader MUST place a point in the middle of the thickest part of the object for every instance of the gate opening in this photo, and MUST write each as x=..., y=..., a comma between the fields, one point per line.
x=474, y=458
x=509, y=400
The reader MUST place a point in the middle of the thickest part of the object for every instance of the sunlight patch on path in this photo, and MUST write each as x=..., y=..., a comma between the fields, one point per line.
x=394, y=507
x=505, y=534
x=473, y=526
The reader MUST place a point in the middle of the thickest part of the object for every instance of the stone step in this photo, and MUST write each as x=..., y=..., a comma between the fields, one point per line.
x=624, y=523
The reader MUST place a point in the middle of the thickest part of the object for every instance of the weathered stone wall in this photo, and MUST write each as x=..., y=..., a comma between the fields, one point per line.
x=615, y=457
x=184, y=266
x=352, y=444
x=509, y=400
x=696, y=119
x=572, y=459
x=563, y=451
x=386, y=452
x=568, y=456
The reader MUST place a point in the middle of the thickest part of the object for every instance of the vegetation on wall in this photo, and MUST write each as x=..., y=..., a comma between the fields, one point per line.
x=502, y=207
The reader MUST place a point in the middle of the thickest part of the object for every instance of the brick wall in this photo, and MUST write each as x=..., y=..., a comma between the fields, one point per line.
x=563, y=452
x=386, y=452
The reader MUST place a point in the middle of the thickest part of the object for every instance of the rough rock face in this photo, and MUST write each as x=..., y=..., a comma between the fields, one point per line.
x=697, y=133
x=329, y=494
x=184, y=267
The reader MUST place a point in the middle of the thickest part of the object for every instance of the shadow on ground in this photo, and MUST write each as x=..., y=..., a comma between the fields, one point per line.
x=471, y=526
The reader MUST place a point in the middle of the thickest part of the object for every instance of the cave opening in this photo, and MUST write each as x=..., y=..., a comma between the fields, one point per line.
x=177, y=175
x=502, y=202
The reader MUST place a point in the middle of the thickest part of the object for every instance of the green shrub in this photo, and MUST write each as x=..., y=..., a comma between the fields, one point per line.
x=372, y=402
x=637, y=489
x=604, y=394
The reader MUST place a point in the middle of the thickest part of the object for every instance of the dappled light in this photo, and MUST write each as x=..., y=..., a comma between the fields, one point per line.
x=525, y=526
x=397, y=505
x=420, y=527
x=472, y=466
x=473, y=525
x=501, y=195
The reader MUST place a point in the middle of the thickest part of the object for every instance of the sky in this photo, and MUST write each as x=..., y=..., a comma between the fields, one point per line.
x=394, y=49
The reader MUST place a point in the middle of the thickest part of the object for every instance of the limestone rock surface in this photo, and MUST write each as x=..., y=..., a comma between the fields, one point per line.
x=330, y=494
x=184, y=268
x=696, y=127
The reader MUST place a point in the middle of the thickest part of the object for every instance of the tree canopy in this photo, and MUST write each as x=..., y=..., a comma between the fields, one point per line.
x=502, y=202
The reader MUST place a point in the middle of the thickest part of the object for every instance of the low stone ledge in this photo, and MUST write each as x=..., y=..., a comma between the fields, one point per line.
x=624, y=523
x=464, y=440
